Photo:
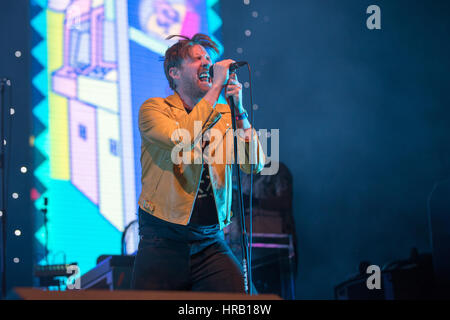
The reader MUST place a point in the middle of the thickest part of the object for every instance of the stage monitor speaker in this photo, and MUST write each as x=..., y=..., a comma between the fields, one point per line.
x=407, y=280
x=112, y=272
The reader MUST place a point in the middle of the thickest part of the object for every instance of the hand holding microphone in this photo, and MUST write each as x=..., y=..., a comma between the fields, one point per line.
x=233, y=90
x=233, y=66
x=219, y=72
x=223, y=73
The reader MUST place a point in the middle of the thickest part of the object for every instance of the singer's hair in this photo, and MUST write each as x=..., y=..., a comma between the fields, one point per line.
x=180, y=50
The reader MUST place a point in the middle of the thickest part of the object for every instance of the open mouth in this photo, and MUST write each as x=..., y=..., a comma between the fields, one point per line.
x=204, y=77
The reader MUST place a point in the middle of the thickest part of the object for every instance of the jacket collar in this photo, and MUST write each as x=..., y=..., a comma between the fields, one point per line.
x=175, y=101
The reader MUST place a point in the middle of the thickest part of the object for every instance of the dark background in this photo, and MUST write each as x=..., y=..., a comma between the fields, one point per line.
x=363, y=118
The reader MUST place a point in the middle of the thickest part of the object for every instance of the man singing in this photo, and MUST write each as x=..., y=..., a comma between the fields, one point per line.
x=184, y=205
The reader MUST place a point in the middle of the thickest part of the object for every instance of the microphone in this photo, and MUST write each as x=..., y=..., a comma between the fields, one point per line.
x=232, y=68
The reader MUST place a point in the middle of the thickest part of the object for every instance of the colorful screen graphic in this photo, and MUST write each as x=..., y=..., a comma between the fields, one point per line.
x=95, y=62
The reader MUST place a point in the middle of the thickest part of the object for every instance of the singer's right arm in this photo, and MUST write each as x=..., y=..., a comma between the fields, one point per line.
x=157, y=125
x=213, y=94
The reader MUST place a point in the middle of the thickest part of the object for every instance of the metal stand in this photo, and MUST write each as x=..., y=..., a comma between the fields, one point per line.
x=245, y=248
x=44, y=211
x=3, y=82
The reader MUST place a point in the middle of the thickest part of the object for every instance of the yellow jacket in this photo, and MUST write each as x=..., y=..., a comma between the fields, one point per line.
x=169, y=187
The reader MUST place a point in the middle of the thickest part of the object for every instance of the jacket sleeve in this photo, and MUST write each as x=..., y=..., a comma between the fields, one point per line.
x=250, y=152
x=157, y=126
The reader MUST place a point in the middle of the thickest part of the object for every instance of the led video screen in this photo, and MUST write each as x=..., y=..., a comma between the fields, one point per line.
x=96, y=62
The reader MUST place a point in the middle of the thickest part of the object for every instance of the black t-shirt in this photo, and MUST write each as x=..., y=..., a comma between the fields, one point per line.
x=205, y=210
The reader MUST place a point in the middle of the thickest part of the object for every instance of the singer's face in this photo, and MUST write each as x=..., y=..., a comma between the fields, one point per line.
x=194, y=72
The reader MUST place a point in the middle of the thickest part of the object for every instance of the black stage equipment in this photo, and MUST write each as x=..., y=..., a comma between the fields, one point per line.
x=53, y=275
x=400, y=280
x=113, y=272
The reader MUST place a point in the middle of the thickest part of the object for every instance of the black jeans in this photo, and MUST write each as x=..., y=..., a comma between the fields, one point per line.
x=176, y=257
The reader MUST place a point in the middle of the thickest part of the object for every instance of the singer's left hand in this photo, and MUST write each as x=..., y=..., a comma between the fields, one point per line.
x=234, y=89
